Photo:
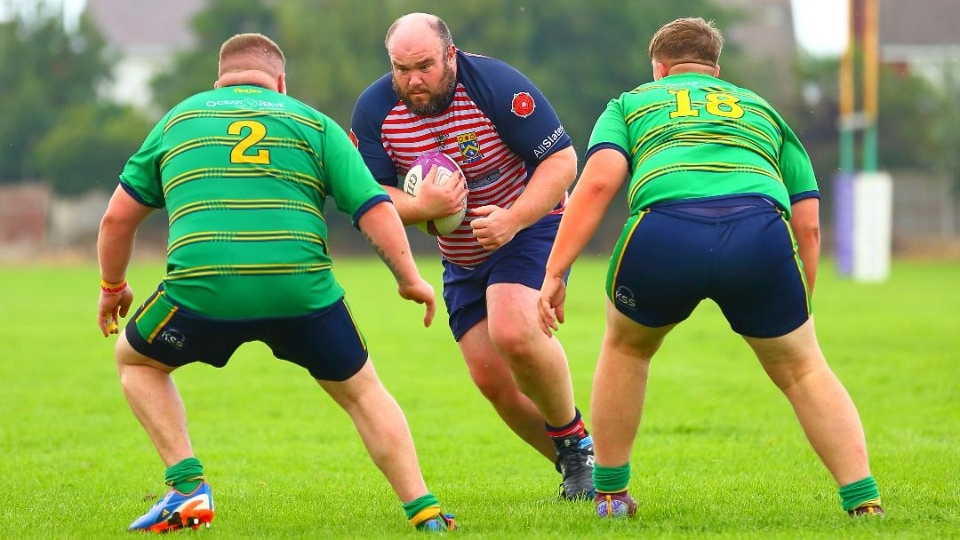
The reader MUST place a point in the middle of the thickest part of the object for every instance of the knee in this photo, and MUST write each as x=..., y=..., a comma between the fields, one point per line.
x=496, y=390
x=512, y=341
x=641, y=347
x=490, y=387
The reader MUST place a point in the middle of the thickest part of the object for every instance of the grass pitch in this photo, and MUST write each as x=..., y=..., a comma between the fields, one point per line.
x=719, y=452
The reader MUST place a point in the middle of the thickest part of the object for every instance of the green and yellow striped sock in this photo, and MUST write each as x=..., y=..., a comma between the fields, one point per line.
x=611, y=479
x=864, y=491
x=185, y=475
x=421, y=509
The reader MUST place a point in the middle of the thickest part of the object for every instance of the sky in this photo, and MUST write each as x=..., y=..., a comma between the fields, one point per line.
x=820, y=25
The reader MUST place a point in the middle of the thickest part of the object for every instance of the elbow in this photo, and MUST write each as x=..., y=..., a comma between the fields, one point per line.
x=808, y=238
x=113, y=221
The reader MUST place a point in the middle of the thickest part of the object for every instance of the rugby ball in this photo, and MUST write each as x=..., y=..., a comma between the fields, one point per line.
x=414, y=179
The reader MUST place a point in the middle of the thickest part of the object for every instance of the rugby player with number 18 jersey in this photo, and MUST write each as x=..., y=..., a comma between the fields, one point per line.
x=723, y=205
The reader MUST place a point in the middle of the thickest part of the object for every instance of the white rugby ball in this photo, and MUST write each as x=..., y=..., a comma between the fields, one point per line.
x=413, y=180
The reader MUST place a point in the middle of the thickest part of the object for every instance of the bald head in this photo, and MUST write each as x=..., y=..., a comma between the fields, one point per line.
x=423, y=60
x=418, y=31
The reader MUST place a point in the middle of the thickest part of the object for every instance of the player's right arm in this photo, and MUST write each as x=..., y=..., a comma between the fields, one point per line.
x=366, y=124
x=382, y=228
x=432, y=202
x=118, y=228
x=604, y=173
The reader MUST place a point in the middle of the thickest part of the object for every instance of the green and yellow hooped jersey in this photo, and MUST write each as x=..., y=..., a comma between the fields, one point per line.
x=244, y=173
x=692, y=136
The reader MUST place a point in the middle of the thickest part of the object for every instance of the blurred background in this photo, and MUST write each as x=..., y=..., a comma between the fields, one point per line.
x=868, y=85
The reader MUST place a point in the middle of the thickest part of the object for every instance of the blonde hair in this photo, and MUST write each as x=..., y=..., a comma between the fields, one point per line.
x=692, y=40
x=249, y=51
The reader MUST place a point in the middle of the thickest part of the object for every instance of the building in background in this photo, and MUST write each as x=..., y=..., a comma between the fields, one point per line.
x=145, y=35
x=764, y=33
x=920, y=36
x=916, y=37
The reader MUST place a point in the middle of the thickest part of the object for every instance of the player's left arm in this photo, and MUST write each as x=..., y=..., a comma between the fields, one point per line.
x=805, y=222
x=548, y=184
x=801, y=184
x=545, y=187
x=530, y=127
x=382, y=228
x=118, y=229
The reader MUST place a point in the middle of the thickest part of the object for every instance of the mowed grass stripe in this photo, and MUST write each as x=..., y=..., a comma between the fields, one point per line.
x=719, y=452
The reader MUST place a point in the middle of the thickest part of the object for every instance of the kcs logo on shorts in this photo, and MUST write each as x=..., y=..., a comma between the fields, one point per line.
x=173, y=338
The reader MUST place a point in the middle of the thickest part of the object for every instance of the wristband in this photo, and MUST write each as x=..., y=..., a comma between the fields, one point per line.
x=112, y=288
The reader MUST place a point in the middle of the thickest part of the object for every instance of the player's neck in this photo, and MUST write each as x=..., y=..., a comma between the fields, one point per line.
x=247, y=78
x=691, y=67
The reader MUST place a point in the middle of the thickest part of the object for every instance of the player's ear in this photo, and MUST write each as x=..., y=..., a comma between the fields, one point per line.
x=716, y=71
x=282, y=83
x=659, y=70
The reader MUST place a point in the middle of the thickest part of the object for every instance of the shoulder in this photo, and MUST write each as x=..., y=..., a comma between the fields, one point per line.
x=478, y=72
x=377, y=99
x=499, y=88
x=742, y=91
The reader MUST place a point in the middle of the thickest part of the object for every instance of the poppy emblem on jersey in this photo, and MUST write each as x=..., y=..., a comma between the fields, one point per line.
x=522, y=104
x=469, y=147
x=353, y=139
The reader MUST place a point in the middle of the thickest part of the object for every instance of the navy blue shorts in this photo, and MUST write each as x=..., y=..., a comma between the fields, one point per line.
x=522, y=260
x=671, y=257
x=327, y=343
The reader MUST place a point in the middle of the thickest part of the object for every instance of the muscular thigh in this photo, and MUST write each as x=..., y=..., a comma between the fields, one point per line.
x=512, y=311
x=521, y=262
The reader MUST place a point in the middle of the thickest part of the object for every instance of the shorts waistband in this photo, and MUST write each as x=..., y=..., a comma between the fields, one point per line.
x=714, y=208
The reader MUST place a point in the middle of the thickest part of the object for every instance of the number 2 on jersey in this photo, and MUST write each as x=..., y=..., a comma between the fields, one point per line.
x=256, y=132
x=717, y=104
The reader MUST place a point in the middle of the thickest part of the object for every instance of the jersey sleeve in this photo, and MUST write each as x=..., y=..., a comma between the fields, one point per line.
x=347, y=177
x=524, y=118
x=795, y=166
x=141, y=175
x=610, y=131
x=366, y=123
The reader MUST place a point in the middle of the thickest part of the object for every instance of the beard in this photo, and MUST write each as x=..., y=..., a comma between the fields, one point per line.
x=439, y=100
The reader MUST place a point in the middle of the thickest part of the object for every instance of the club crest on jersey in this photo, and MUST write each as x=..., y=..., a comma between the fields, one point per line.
x=522, y=104
x=469, y=147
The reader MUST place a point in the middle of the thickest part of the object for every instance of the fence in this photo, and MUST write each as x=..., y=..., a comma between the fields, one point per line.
x=35, y=222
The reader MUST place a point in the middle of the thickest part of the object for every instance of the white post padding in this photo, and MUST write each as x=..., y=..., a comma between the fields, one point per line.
x=872, y=223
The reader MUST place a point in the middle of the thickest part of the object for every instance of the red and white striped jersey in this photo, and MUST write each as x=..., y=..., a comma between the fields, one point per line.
x=498, y=128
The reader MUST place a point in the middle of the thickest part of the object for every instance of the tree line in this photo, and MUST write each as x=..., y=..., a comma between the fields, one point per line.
x=56, y=127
